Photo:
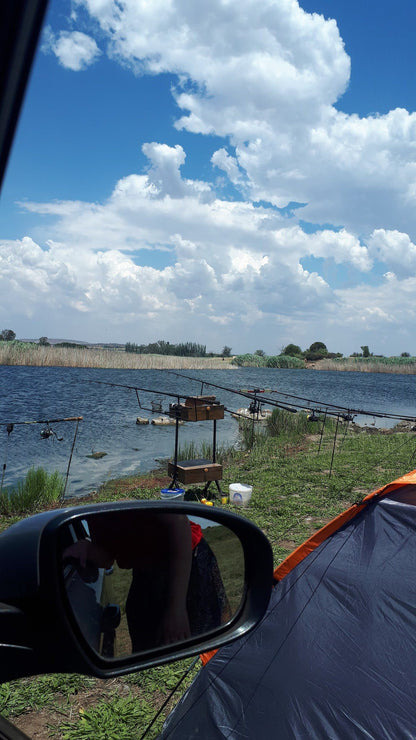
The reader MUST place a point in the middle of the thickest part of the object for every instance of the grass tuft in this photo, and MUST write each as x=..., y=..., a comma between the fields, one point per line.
x=114, y=718
x=38, y=489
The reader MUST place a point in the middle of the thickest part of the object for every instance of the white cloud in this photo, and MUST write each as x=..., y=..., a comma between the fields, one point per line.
x=268, y=76
x=74, y=50
x=231, y=267
x=224, y=161
x=395, y=249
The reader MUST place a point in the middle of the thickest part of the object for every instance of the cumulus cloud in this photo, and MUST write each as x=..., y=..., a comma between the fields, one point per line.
x=395, y=249
x=230, y=266
x=267, y=76
x=74, y=50
x=229, y=164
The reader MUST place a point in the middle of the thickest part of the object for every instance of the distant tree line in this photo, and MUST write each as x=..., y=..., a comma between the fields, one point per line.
x=183, y=349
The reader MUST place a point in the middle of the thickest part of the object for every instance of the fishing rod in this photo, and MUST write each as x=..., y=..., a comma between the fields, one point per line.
x=136, y=388
x=43, y=421
x=248, y=394
x=331, y=409
x=45, y=434
x=319, y=407
x=179, y=396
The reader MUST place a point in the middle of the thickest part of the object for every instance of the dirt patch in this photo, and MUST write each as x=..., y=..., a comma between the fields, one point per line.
x=35, y=724
x=288, y=545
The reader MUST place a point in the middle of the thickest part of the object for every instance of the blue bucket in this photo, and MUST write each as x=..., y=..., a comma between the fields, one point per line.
x=172, y=494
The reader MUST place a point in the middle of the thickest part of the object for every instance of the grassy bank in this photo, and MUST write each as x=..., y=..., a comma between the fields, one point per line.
x=294, y=494
x=19, y=353
x=402, y=365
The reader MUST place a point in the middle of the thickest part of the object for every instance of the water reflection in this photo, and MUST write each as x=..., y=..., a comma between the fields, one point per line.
x=138, y=580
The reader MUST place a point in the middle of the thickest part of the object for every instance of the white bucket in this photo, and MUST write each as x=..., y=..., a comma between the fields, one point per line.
x=240, y=494
x=172, y=494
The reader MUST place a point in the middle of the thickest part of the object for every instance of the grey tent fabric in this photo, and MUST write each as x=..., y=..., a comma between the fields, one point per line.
x=335, y=655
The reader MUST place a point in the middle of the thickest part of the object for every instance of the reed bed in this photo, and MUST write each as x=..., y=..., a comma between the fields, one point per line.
x=28, y=354
x=401, y=365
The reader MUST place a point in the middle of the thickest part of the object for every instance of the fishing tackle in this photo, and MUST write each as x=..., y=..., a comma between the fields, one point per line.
x=254, y=407
x=48, y=432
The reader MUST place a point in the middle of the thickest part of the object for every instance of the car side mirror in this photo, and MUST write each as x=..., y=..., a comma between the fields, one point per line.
x=111, y=588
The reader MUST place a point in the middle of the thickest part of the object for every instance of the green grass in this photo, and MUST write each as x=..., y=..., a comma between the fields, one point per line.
x=112, y=718
x=38, y=490
x=191, y=451
x=126, y=716
x=26, y=694
x=295, y=492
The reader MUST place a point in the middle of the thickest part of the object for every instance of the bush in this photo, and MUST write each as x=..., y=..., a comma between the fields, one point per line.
x=285, y=361
x=37, y=490
x=278, y=361
x=249, y=360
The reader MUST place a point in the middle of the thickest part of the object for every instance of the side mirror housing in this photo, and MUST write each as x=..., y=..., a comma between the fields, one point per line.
x=107, y=589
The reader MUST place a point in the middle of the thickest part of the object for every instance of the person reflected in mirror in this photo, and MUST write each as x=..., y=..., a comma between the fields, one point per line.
x=149, y=545
x=176, y=590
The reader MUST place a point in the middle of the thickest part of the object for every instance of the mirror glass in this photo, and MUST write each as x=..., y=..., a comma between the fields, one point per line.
x=137, y=580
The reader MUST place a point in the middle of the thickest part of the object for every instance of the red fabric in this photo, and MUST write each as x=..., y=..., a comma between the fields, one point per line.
x=196, y=533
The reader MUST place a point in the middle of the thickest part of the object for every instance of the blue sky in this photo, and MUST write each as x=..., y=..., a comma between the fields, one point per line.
x=226, y=173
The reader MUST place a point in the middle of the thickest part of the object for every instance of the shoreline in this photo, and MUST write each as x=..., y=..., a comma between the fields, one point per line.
x=19, y=355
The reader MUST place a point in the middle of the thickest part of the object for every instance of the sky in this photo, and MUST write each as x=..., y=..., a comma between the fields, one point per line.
x=229, y=173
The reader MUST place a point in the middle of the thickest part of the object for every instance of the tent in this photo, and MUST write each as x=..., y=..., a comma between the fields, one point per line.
x=335, y=656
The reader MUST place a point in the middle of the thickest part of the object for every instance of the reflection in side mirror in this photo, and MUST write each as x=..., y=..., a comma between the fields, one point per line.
x=139, y=580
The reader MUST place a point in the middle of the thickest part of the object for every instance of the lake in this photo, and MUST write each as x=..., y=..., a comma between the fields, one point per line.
x=109, y=413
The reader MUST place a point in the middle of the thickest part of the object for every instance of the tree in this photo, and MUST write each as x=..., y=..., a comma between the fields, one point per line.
x=365, y=350
x=405, y=354
x=292, y=350
x=226, y=351
x=7, y=335
x=260, y=353
x=318, y=347
x=43, y=341
x=317, y=351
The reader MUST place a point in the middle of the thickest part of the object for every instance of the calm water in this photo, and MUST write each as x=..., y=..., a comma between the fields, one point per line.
x=109, y=425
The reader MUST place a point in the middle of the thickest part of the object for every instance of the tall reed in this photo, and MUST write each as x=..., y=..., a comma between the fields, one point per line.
x=18, y=353
x=402, y=365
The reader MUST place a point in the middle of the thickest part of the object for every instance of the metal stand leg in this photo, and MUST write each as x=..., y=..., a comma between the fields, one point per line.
x=175, y=471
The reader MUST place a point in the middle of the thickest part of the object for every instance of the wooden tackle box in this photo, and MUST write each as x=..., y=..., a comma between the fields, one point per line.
x=198, y=408
x=195, y=471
